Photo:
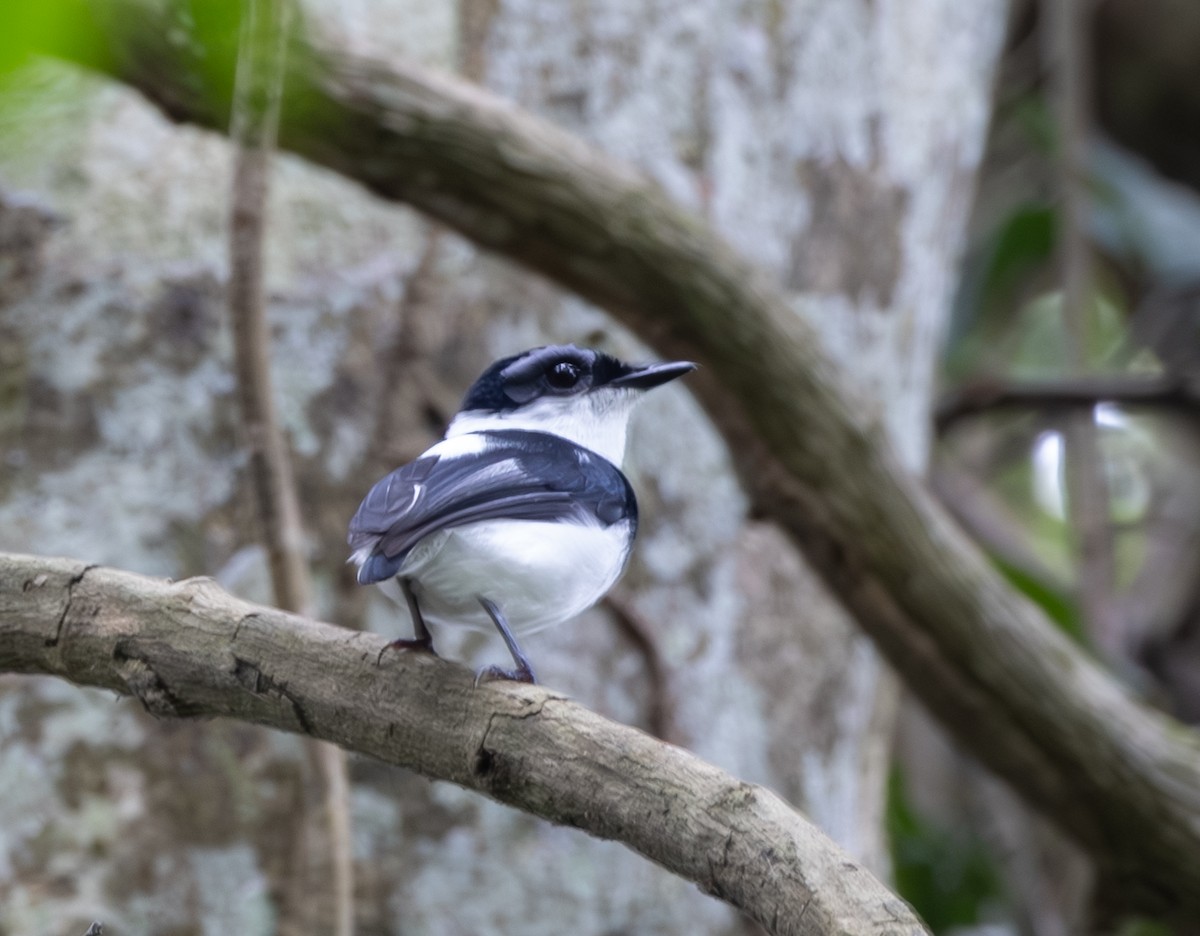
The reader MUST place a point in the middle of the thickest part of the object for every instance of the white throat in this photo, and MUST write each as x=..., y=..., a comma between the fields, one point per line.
x=597, y=420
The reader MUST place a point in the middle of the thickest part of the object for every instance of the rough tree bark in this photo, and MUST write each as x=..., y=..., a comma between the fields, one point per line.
x=1123, y=780
x=189, y=650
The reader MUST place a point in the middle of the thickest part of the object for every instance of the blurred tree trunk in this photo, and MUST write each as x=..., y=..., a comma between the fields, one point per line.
x=833, y=143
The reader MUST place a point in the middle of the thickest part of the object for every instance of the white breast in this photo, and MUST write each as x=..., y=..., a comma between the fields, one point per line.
x=538, y=573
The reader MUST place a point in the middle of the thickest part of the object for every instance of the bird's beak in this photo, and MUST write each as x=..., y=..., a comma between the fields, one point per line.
x=652, y=375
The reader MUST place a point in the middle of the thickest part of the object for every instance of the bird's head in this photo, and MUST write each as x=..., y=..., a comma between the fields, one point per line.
x=578, y=393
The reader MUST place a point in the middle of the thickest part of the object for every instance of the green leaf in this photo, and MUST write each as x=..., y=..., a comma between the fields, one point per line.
x=1057, y=605
x=995, y=279
x=31, y=28
x=1025, y=241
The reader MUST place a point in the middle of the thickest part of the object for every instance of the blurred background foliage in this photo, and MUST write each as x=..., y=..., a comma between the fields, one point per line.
x=948, y=876
x=1009, y=391
x=33, y=28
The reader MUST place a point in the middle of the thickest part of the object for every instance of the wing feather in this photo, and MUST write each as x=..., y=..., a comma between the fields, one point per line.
x=514, y=476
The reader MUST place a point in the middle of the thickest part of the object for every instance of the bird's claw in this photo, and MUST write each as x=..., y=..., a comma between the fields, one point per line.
x=492, y=673
x=417, y=644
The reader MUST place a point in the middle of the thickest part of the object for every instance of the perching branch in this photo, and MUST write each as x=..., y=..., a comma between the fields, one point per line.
x=257, y=93
x=189, y=649
x=1123, y=780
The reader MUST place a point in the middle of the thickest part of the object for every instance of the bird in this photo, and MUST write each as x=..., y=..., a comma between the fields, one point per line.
x=520, y=518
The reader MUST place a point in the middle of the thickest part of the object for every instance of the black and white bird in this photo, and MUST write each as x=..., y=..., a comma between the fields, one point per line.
x=520, y=517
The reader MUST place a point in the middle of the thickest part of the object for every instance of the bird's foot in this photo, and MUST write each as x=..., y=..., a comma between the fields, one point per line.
x=418, y=644
x=523, y=673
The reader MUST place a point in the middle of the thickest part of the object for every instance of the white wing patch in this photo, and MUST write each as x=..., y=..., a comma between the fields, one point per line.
x=469, y=443
x=363, y=553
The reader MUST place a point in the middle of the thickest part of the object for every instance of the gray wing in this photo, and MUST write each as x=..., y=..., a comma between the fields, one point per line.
x=518, y=476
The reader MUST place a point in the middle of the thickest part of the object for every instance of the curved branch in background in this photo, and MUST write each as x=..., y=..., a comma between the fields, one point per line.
x=258, y=89
x=1122, y=779
x=1078, y=393
x=189, y=649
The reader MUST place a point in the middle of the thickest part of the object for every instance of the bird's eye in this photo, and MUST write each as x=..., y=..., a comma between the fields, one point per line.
x=563, y=375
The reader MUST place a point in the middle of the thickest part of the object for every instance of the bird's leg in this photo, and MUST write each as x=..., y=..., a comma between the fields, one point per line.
x=421, y=640
x=523, y=672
